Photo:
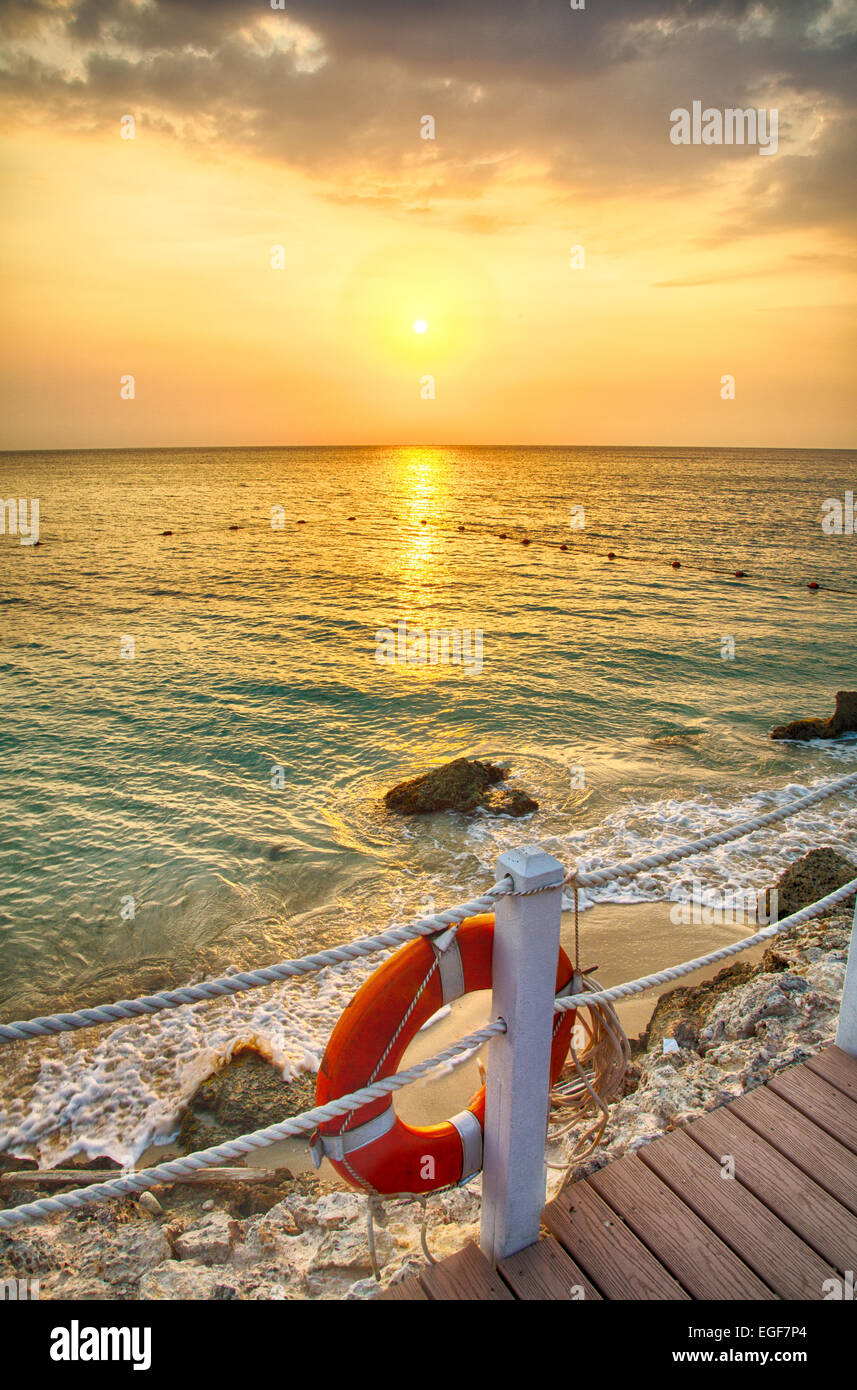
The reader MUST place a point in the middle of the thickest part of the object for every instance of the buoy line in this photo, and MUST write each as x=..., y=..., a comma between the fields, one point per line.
x=486, y=530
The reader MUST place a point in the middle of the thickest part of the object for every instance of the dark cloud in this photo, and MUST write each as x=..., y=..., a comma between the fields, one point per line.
x=337, y=88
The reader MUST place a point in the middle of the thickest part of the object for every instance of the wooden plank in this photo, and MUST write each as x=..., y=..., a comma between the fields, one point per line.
x=545, y=1270
x=674, y=1233
x=822, y=1103
x=765, y=1244
x=615, y=1260
x=837, y=1067
x=811, y=1149
x=465, y=1275
x=406, y=1291
x=796, y=1198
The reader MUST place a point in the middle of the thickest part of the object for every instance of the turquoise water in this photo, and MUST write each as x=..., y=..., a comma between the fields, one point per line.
x=146, y=781
x=150, y=778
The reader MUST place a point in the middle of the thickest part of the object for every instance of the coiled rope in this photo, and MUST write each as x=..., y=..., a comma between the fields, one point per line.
x=595, y=1077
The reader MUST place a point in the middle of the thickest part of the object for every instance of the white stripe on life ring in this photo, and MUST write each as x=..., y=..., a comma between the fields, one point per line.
x=470, y=1132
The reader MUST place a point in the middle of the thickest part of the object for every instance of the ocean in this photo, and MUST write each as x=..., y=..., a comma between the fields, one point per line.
x=197, y=731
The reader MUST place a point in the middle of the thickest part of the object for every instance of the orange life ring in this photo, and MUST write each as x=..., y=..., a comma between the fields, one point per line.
x=373, y=1148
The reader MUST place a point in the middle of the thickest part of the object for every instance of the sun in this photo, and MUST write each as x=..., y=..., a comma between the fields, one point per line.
x=420, y=326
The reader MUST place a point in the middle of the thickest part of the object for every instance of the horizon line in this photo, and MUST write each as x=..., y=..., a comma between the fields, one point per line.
x=186, y=448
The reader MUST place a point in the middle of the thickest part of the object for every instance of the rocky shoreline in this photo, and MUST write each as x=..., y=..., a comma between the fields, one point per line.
x=295, y=1238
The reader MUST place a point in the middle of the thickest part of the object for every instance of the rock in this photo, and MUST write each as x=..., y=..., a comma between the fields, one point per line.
x=462, y=785
x=149, y=1202
x=818, y=873
x=679, y=1013
x=116, y=1251
x=247, y=1094
x=509, y=801
x=210, y=1242
x=842, y=721
x=336, y=1209
x=827, y=976
x=773, y=960
x=172, y=1280
x=348, y=1250
x=363, y=1288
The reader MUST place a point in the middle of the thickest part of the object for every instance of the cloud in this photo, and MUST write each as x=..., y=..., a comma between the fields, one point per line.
x=580, y=99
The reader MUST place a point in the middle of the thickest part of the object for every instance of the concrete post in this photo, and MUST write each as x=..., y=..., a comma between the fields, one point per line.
x=846, y=1033
x=526, y=947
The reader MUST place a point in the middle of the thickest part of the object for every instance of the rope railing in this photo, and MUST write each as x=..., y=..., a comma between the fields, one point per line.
x=175, y=1169
x=179, y=1168
x=597, y=878
x=675, y=972
x=24, y=1030
x=252, y=979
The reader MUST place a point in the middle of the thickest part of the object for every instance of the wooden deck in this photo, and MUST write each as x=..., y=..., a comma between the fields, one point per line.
x=664, y=1223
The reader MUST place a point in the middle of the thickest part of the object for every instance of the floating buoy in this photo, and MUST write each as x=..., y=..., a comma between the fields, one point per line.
x=462, y=528
x=352, y=518
x=423, y=522
x=740, y=574
x=525, y=541
x=301, y=523
x=372, y=1147
x=166, y=533
x=235, y=528
x=676, y=564
x=502, y=536
x=563, y=547
x=611, y=554
x=812, y=584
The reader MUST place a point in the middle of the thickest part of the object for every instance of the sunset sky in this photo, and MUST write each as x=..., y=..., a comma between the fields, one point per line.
x=300, y=128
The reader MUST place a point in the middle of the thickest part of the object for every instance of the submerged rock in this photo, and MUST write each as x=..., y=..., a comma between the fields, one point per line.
x=464, y=785
x=247, y=1094
x=509, y=801
x=818, y=873
x=842, y=721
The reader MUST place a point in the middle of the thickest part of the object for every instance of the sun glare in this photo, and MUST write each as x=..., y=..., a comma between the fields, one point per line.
x=420, y=326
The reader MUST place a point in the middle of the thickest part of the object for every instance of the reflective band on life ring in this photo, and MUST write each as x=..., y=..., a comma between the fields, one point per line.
x=373, y=1148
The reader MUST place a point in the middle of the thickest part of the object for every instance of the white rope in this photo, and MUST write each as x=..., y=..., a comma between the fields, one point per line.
x=253, y=979
x=179, y=1168
x=596, y=878
x=23, y=1030
x=663, y=977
